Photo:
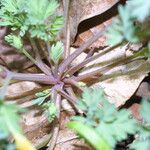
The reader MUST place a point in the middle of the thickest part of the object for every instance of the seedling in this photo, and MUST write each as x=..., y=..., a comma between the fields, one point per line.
x=37, y=22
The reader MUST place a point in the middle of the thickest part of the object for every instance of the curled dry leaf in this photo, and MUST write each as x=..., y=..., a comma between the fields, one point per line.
x=122, y=81
x=81, y=10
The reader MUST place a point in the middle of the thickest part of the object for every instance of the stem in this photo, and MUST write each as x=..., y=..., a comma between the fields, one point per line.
x=57, y=99
x=42, y=66
x=71, y=92
x=77, y=67
x=28, y=56
x=67, y=29
x=73, y=83
x=41, y=78
x=66, y=63
x=90, y=53
x=68, y=97
x=45, y=53
x=103, y=70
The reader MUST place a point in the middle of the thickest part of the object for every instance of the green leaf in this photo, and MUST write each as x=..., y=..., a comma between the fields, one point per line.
x=143, y=139
x=56, y=25
x=36, y=17
x=50, y=111
x=90, y=135
x=10, y=5
x=14, y=41
x=39, y=100
x=39, y=11
x=9, y=118
x=122, y=28
x=145, y=110
x=56, y=52
x=41, y=96
x=141, y=9
x=43, y=93
x=118, y=128
x=104, y=117
x=141, y=145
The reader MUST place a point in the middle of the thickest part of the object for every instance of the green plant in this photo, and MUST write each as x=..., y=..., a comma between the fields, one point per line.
x=131, y=25
x=143, y=129
x=36, y=21
x=9, y=120
x=104, y=122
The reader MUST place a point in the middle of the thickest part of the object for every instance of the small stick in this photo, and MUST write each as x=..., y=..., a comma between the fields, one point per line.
x=67, y=29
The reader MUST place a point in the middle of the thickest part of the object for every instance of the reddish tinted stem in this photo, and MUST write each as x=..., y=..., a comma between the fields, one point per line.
x=75, y=68
x=66, y=63
x=41, y=78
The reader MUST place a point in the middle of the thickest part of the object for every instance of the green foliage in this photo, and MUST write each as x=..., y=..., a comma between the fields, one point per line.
x=39, y=11
x=130, y=26
x=14, y=41
x=141, y=9
x=56, y=52
x=143, y=139
x=123, y=28
x=9, y=118
x=50, y=111
x=112, y=124
x=49, y=107
x=4, y=144
x=35, y=17
x=41, y=97
x=55, y=27
x=90, y=135
x=145, y=110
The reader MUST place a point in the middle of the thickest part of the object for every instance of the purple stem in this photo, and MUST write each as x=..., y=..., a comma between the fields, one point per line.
x=66, y=62
x=77, y=67
x=41, y=78
x=103, y=70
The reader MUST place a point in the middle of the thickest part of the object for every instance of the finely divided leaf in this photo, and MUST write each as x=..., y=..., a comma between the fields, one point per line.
x=139, y=9
x=14, y=41
x=145, y=110
x=56, y=52
x=114, y=125
x=9, y=118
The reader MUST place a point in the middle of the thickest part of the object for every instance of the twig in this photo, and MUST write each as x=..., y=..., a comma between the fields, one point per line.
x=67, y=29
x=66, y=63
x=45, y=53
